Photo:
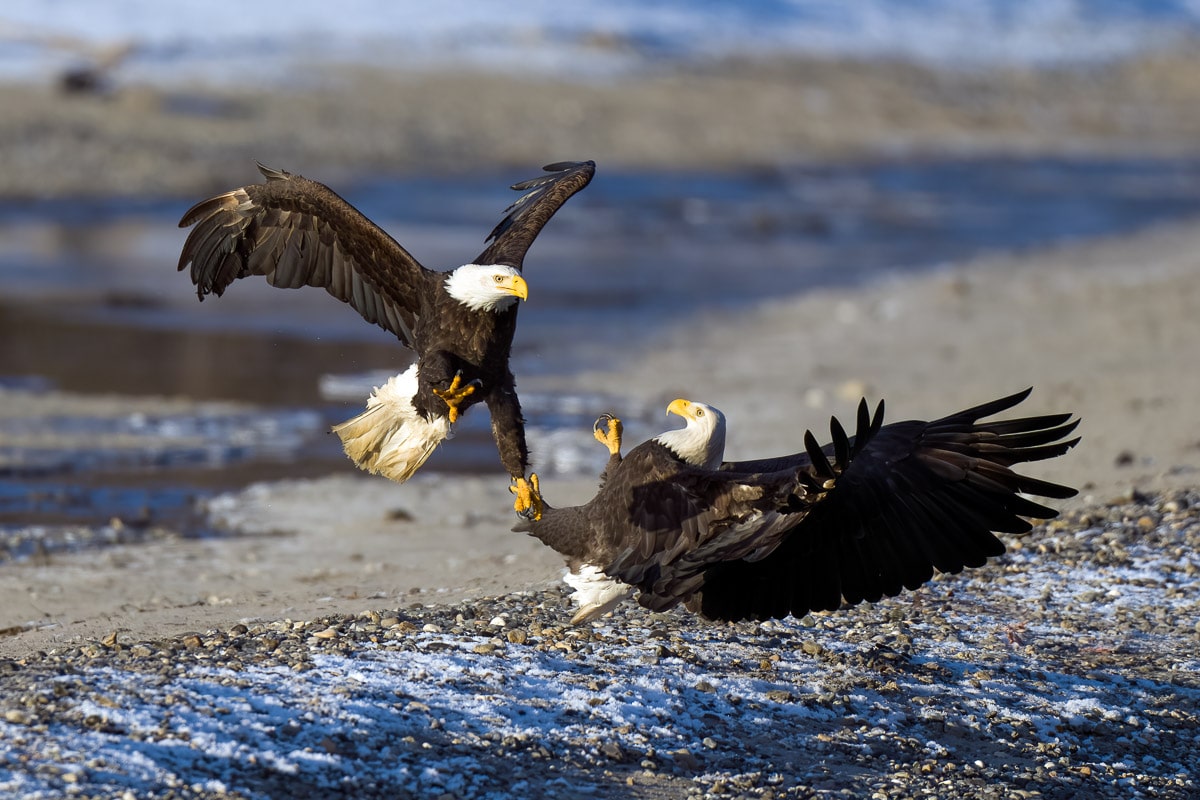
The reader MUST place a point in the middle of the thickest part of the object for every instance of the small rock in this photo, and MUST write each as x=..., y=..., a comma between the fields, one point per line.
x=16, y=717
x=685, y=759
x=613, y=751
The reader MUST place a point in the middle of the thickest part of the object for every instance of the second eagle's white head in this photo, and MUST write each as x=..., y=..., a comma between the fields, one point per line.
x=701, y=443
x=487, y=287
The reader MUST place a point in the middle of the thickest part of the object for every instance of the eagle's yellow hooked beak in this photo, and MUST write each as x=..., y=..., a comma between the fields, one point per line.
x=684, y=408
x=514, y=285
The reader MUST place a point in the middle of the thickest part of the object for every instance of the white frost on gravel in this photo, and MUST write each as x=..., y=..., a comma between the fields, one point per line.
x=417, y=719
x=428, y=711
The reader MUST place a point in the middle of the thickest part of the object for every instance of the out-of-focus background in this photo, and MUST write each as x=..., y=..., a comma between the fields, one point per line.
x=747, y=151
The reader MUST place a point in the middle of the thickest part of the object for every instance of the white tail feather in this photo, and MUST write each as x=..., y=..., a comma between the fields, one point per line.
x=390, y=438
x=595, y=593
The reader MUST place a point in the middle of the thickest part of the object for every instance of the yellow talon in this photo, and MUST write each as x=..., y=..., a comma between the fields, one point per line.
x=529, y=497
x=608, y=430
x=454, y=396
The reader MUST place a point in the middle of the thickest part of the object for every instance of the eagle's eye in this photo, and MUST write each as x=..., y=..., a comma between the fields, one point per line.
x=498, y=278
x=699, y=412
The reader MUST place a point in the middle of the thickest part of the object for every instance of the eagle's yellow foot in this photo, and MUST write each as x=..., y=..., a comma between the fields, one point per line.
x=529, y=497
x=608, y=430
x=456, y=394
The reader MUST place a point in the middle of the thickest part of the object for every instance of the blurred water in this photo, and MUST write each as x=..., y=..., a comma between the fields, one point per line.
x=633, y=253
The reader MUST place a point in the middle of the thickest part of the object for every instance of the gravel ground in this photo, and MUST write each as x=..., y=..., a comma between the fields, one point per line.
x=1066, y=668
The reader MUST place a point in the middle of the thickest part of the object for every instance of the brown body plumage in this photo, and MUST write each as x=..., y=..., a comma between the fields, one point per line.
x=296, y=232
x=861, y=518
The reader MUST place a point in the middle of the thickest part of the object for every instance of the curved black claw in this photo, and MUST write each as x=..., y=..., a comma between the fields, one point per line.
x=529, y=503
x=608, y=430
x=600, y=428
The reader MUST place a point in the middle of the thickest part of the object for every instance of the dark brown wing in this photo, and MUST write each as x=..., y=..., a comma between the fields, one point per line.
x=525, y=218
x=905, y=499
x=297, y=232
x=676, y=521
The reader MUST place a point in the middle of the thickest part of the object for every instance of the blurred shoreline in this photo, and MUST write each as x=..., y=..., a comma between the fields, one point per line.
x=124, y=139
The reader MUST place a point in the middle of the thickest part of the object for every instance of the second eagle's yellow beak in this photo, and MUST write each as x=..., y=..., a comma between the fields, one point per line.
x=681, y=407
x=515, y=285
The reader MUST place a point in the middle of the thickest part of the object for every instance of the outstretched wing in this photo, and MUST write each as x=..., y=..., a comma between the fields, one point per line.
x=903, y=500
x=297, y=232
x=525, y=218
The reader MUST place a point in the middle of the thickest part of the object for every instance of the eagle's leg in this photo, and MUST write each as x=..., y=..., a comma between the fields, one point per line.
x=457, y=393
x=608, y=430
x=529, y=497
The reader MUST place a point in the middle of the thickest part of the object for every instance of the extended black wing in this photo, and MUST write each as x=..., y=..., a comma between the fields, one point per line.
x=297, y=232
x=903, y=500
x=526, y=217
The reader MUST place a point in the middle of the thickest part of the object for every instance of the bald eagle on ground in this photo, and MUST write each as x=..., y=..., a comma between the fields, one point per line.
x=863, y=517
x=296, y=232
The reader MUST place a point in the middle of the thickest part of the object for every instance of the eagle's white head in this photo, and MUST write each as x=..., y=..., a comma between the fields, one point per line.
x=700, y=443
x=486, y=287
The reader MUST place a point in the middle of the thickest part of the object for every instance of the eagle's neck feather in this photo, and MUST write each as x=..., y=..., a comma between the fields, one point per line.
x=473, y=286
x=697, y=445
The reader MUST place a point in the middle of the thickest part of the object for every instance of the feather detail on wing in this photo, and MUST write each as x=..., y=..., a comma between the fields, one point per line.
x=526, y=217
x=296, y=232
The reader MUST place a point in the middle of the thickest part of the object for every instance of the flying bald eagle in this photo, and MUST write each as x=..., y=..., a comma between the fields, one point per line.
x=296, y=232
x=863, y=517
